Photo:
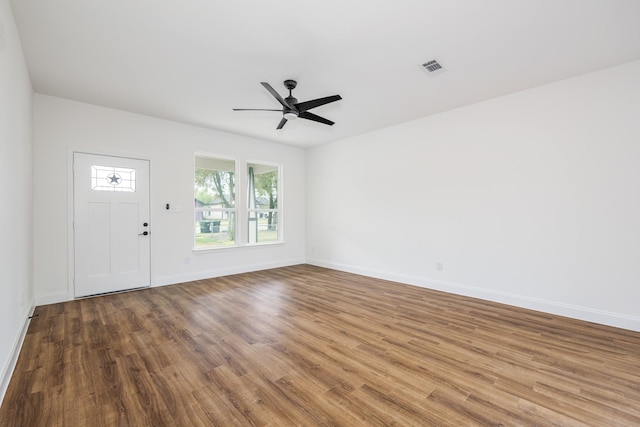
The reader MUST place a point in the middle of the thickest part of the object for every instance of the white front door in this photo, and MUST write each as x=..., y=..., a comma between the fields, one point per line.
x=111, y=224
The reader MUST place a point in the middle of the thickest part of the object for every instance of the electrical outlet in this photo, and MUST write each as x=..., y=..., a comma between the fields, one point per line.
x=187, y=260
x=439, y=266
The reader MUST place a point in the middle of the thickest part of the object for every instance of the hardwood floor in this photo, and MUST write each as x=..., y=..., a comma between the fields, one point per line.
x=309, y=346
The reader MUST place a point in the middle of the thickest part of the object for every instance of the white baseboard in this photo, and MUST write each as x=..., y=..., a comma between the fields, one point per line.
x=603, y=317
x=7, y=370
x=56, y=297
x=225, y=271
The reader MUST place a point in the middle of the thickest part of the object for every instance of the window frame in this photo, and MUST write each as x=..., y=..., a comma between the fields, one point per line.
x=235, y=210
x=278, y=211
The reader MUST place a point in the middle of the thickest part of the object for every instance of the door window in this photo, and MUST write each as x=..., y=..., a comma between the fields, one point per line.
x=112, y=178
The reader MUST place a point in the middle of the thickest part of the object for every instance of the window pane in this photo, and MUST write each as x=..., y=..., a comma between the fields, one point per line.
x=265, y=226
x=214, y=229
x=266, y=185
x=215, y=188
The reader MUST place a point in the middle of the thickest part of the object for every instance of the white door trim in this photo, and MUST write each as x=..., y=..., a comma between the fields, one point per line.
x=55, y=297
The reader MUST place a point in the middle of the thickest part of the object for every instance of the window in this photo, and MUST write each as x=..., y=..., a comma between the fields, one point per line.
x=111, y=178
x=263, y=213
x=215, y=202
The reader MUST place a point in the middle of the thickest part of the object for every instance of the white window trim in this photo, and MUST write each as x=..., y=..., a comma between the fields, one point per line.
x=237, y=209
x=241, y=208
x=280, y=209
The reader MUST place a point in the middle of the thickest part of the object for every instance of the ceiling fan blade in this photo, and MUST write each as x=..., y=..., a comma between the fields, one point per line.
x=282, y=123
x=254, y=109
x=315, y=118
x=308, y=105
x=275, y=94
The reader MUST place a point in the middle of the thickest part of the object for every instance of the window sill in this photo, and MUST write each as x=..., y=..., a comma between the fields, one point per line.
x=236, y=247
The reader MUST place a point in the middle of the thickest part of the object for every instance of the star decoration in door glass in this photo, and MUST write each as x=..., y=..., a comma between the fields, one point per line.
x=114, y=179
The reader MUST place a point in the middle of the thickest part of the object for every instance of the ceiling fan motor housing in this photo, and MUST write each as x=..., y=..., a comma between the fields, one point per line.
x=291, y=101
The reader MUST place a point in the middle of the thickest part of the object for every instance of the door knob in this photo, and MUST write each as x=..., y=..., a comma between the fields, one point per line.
x=146, y=224
x=144, y=233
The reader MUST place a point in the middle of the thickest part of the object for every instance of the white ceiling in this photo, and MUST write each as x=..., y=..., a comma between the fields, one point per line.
x=194, y=60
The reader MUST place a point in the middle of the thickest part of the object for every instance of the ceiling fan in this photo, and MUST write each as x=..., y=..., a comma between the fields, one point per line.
x=292, y=109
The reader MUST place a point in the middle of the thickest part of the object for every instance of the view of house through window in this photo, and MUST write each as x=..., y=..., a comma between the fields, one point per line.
x=262, y=191
x=215, y=202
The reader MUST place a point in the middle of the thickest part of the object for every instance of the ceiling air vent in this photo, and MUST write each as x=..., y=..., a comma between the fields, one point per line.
x=433, y=67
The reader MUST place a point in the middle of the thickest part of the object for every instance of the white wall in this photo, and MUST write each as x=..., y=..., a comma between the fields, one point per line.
x=532, y=199
x=17, y=299
x=62, y=126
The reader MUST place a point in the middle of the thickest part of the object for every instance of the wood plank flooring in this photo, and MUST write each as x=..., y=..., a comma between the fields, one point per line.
x=309, y=346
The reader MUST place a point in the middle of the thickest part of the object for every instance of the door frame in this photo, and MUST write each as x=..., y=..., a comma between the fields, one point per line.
x=70, y=212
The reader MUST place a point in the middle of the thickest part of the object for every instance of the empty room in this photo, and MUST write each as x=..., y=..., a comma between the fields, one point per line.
x=411, y=213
